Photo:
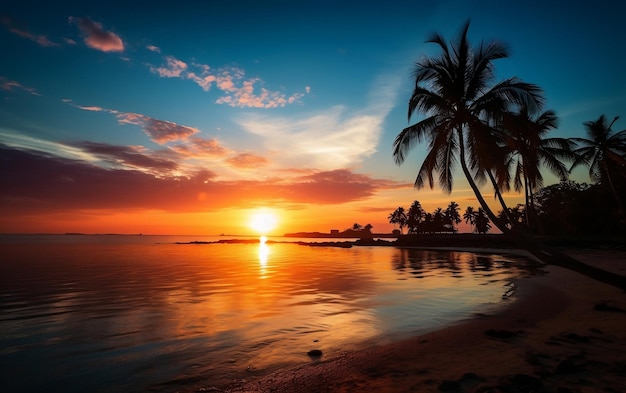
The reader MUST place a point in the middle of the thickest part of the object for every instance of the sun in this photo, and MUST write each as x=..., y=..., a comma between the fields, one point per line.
x=263, y=221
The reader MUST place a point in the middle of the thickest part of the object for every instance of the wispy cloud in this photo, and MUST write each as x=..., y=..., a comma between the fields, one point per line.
x=35, y=182
x=136, y=157
x=328, y=140
x=247, y=161
x=332, y=139
x=20, y=141
x=200, y=147
x=11, y=85
x=38, y=38
x=96, y=37
x=238, y=90
x=160, y=131
x=153, y=48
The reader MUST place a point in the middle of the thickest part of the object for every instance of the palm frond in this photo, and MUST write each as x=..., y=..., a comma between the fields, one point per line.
x=410, y=136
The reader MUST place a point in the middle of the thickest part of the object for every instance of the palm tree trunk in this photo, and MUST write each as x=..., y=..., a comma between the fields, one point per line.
x=505, y=208
x=527, y=202
x=540, y=251
x=474, y=187
x=620, y=206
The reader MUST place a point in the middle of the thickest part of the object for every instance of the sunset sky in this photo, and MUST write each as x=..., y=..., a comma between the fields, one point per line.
x=181, y=118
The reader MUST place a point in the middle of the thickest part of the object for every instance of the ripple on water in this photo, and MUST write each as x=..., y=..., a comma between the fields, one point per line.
x=142, y=316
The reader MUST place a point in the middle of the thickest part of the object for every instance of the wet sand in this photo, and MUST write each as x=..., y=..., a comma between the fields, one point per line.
x=563, y=333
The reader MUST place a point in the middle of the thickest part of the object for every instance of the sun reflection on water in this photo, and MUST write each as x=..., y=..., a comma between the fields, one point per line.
x=264, y=252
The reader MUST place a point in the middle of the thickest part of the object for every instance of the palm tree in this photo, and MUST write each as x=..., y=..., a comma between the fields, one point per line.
x=438, y=220
x=470, y=216
x=415, y=217
x=529, y=149
x=462, y=109
x=482, y=222
x=398, y=217
x=452, y=215
x=461, y=105
x=604, y=153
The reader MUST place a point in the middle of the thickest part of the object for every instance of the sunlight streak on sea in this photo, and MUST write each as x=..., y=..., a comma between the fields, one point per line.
x=137, y=313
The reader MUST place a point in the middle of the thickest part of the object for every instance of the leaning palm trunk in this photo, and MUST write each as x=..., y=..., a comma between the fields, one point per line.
x=505, y=208
x=532, y=245
x=454, y=90
x=620, y=206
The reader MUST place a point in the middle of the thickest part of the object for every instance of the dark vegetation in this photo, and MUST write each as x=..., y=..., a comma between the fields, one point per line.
x=497, y=131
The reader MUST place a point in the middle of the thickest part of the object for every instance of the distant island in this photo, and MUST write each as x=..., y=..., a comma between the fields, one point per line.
x=359, y=232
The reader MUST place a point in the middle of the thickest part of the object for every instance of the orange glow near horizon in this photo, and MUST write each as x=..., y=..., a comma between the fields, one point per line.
x=269, y=221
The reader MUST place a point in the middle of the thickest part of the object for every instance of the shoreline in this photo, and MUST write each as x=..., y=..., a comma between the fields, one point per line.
x=562, y=331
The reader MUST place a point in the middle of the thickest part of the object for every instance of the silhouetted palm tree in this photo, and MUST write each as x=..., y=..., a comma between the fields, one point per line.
x=452, y=215
x=604, y=153
x=462, y=109
x=482, y=221
x=415, y=217
x=529, y=149
x=461, y=105
x=398, y=217
x=470, y=216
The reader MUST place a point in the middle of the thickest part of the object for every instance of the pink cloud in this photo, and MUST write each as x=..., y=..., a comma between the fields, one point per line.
x=92, y=108
x=199, y=147
x=11, y=85
x=96, y=37
x=153, y=48
x=160, y=131
x=38, y=38
x=239, y=91
x=243, y=93
x=204, y=80
x=247, y=161
x=173, y=69
x=36, y=182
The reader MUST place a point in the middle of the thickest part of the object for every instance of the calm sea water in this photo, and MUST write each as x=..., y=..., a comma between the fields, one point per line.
x=139, y=313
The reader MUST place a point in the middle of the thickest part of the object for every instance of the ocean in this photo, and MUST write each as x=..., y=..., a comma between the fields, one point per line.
x=118, y=313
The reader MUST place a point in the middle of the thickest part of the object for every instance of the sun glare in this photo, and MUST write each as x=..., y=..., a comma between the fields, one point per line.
x=263, y=221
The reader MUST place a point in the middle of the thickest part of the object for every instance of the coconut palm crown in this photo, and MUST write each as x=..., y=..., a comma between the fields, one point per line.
x=461, y=105
x=604, y=152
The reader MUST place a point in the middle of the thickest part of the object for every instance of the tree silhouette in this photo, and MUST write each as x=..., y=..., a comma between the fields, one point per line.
x=604, y=152
x=529, y=149
x=461, y=105
x=470, y=216
x=452, y=216
x=415, y=217
x=398, y=217
x=482, y=221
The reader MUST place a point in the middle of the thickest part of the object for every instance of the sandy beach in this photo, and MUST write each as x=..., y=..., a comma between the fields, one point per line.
x=563, y=332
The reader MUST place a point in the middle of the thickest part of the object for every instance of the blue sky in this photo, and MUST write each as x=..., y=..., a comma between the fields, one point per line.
x=291, y=105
